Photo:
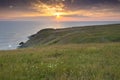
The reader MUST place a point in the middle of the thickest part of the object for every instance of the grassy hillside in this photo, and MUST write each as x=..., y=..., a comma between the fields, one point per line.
x=89, y=34
x=93, y=61
x=81, y=53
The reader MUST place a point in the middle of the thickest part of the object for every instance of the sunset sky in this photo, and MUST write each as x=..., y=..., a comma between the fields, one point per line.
x=63, y=10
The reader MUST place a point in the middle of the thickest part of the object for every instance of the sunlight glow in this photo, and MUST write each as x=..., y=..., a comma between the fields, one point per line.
x=56, y=10
x=58, y=15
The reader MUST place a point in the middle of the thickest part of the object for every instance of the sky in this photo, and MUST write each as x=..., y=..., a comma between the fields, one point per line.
x=62, y=10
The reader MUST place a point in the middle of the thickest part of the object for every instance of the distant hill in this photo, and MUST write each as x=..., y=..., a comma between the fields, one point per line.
x=75, y=35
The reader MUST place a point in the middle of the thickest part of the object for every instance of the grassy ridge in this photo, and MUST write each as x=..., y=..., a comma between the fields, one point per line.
x=90, y=34
x=81, y=53
x=62, y=62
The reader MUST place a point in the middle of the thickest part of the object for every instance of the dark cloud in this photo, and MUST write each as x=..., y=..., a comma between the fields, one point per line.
x=77, y=3
x=69, y=4
x=88, y=4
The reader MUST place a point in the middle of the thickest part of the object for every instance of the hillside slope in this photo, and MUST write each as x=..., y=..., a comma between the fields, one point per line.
x=88, y=34
x=97, y=59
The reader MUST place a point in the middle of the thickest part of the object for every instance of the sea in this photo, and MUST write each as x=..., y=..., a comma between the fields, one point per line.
x=14, y=32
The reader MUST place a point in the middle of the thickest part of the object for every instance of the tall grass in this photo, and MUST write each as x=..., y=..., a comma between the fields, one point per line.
x=62, y=62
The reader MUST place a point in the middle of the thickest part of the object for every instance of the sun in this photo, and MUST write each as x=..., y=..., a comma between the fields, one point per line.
x=58, y=15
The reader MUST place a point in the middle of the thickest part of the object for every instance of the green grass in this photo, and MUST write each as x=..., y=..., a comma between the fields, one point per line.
x=81, y=53
x=91, y=61
x=75, y=35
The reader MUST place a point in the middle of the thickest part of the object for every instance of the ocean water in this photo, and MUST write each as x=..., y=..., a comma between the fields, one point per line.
x=14, y=32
